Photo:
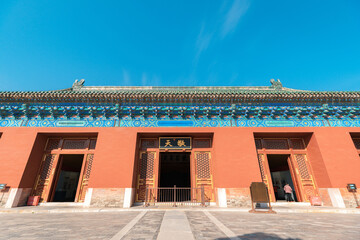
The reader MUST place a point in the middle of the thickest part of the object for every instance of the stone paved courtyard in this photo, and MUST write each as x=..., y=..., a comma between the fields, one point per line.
x=203, y=225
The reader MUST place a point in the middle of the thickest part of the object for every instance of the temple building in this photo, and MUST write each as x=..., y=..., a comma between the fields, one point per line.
x=105, y=146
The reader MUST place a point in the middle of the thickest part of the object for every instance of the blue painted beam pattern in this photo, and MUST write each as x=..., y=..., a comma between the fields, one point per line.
x=218, y=115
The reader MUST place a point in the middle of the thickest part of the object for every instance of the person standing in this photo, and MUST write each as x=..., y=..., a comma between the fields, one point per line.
x=288, y=193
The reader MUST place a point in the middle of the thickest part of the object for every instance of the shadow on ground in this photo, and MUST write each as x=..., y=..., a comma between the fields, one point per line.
x=260, y=235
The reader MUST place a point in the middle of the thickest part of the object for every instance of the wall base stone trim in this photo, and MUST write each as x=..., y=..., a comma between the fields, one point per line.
x=221, y=192
x=325, y=197
x=336, y=198
x=238, y=197
x=4, y=195
x=88, y=196
x=129, y=197
x=350, y=198
x=107, y=197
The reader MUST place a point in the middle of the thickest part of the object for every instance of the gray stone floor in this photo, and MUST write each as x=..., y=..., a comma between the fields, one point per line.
x=147, y=227
x=291, y=226
x=62, y=226
x=202, y=227
x=105, y=225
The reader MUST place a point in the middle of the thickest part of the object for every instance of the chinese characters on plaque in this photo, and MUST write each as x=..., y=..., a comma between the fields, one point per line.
x=175, y=143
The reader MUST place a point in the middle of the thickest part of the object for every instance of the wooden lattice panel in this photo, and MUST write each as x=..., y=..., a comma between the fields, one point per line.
x=52, y=144
x=261, y=164
x=89, y=162
x=297, y=143
x=147, y=165
x=303, y=169
x=92, y=144
x=75, y=144
x=258, y=144
x=43, y=182
x=309, y=191
x=149, y=143
x=203, y=165
x=276, y=144
x=86, y=177
x=48, y=166
x=203, y=174
x=146, y=174
x=305, y=177
x=357, y=143
x=202, y=143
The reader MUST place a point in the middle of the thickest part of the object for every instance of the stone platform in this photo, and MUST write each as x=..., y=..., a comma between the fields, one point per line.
x=112, y=224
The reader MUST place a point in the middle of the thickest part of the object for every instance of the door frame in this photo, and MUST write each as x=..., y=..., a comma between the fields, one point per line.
x=57, y=174
x=291, y=152
x=158, y=151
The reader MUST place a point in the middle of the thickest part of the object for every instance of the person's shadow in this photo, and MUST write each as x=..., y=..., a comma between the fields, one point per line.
x=258, y=236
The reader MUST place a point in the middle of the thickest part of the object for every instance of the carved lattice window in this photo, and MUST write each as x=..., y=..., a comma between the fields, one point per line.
x=258, y=144
x=147, y=165
x=75, y=144
x=261, y=164
x=297, y=143
x=276, y=144
x=52, y=144
x=203, y=165
x=148, y=143
x=89, y=165
x=202, y=143
x=48, y=166
x=357, y=143
x=301, y=161
x=92, y=144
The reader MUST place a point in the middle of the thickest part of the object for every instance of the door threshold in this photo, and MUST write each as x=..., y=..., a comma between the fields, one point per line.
x=62, y=204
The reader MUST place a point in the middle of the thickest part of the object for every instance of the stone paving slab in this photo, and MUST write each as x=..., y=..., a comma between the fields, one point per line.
x=105, y=225
x=174, y=226
x=147, y=227
x=202, y=227
x=291, y=226
x=63, y=226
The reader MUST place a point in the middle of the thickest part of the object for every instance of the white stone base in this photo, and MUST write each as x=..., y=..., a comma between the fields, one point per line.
x=222, y=201
x=88, y=195
x=13, y=198
x=128, y=197
x=336, y=198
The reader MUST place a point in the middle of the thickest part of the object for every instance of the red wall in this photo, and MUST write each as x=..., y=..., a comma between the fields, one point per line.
x=331, y=152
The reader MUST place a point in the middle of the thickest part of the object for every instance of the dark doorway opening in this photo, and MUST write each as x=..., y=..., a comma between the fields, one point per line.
x=280, y=175
x=175, y=170
x=67, y=179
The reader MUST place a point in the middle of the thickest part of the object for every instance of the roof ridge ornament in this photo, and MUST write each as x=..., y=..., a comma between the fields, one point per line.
x=276, y=84
x=78, y=84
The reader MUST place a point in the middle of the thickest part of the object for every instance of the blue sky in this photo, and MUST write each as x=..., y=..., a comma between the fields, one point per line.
x=46, y=45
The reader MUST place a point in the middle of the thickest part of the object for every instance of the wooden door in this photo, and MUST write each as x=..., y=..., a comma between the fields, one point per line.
x=45, y=177
x=304, y=177
x=84, y=180
x=146, y=174
x=203, y=175
x=266, y=175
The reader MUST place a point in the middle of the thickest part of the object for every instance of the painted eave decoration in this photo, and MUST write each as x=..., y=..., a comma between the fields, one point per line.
x=272, y=106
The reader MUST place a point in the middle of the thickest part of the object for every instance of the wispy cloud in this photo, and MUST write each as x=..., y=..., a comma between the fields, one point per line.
x=126, y=78
x=227, y=22
x=233, y=16
x=143, y=79
x=202, y=42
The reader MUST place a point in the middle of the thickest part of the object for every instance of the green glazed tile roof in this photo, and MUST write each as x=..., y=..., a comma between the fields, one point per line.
x=274, y=93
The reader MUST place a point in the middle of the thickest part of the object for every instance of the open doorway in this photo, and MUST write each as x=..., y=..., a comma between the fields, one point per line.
x=175, y=170
x=280, y=175
x=67, y=178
